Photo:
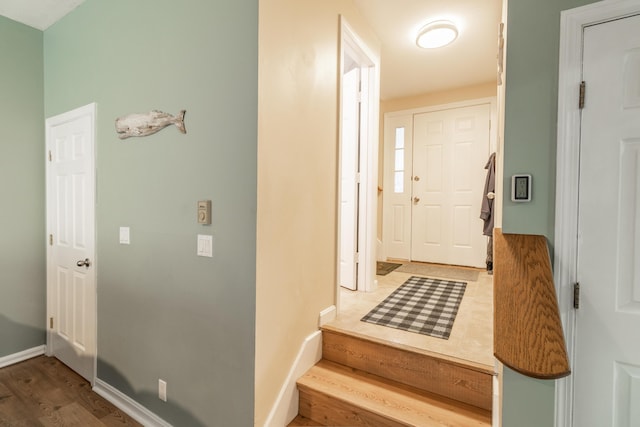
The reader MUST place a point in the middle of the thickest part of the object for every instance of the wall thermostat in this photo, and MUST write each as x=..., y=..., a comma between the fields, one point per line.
x=521, y=188
x=204, y=212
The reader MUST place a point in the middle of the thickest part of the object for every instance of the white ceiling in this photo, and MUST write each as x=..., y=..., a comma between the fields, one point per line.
x=407, y=70
x=38, y=14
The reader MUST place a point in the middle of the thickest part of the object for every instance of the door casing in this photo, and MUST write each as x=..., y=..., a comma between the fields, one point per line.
x=367, y=220
x=572, y=24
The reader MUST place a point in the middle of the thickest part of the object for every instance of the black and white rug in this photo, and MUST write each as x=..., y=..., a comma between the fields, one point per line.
x=422, y=305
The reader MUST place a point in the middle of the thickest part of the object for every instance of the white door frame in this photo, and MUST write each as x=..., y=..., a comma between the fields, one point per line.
x=370, y=63
x=87, y=110
x=572, y=25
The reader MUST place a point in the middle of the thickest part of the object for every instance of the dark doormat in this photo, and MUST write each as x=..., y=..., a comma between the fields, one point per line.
x=422, y=305
x=384, y=268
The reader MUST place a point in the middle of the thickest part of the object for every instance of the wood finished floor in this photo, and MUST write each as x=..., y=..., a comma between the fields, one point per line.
x=44, y=392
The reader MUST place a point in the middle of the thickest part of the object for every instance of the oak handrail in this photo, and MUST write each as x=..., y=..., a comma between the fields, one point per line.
x=528, y=335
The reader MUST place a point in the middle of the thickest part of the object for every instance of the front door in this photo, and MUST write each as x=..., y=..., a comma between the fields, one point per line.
x=450, y=150
x=71, y=278
x=607, y=356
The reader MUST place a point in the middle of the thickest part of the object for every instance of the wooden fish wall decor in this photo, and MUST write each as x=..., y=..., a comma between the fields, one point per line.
x=145, y=124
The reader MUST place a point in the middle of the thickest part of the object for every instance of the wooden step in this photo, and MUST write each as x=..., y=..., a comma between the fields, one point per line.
x=452, y=378
x=335, y=395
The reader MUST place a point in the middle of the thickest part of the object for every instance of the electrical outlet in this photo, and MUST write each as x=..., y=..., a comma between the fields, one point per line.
x=162, y=390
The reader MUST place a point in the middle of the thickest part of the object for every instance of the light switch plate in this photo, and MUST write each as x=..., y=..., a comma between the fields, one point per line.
x=125, y=236
x=205, y=245
x=204, y=212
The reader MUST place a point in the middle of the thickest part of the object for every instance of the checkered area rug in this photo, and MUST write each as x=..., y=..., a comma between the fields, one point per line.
x=423, y=305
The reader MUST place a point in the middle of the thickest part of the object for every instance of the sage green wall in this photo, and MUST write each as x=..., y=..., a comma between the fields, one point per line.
x=22, y=195
x=530, y=147
x=163, y=312
x=531, y=106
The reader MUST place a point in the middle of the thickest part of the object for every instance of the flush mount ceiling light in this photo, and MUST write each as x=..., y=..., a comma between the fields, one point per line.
x=436, y=34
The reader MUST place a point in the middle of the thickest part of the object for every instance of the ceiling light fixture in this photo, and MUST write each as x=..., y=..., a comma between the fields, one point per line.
x=437, y=34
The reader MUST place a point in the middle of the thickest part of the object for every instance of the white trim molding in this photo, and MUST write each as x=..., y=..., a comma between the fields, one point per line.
x=285, y=409
x=572, y=25
x=369, y=62
x=21, y=356
x=128, y=405
x=327, y=315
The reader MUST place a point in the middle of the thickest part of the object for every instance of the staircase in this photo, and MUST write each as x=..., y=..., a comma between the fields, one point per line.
x=362, y=382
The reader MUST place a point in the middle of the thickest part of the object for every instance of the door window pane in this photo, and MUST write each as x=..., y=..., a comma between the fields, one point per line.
x=398, y=170
x=399, y=160
x=399, y=138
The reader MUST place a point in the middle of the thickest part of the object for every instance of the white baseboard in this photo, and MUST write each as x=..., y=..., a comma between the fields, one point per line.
x=21, y=356
x=285, y=409
x=327, y=315
x=128, y=405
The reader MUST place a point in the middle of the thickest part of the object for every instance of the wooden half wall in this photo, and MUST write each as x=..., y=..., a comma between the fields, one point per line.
x=528, y=334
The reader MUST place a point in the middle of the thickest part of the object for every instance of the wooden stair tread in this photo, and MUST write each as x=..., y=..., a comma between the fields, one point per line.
x=402, y=405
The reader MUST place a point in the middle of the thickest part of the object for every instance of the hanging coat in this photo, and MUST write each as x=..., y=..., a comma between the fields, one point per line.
x=486, y=211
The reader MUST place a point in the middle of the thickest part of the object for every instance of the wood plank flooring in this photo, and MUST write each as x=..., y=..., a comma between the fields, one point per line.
x=44, y=392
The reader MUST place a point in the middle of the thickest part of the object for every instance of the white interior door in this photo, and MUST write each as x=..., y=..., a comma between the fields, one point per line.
x=349, y=177
x=607, y=356
x=71, y=278
x=450, y=150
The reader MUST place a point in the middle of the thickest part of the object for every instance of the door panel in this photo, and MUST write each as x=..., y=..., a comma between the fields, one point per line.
x=450, y=149
x=607, y=366
x=349, y=200
x=430, y=188
x=70, y=211
x=628, y=290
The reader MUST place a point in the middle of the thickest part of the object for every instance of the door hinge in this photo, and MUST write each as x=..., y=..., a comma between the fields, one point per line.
x=357, y=257
x=50, y=239
x=50, y=322
x=50, y=156
x=576, y=295
x=583, y=89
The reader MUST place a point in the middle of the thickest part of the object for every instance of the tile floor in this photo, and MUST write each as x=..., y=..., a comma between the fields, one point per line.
x=471, y=338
